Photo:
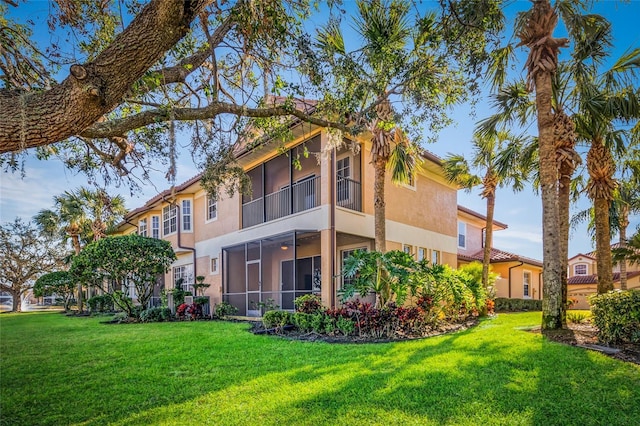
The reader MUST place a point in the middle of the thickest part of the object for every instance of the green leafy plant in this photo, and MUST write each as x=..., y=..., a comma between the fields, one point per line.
x=503, y=304
x=60, y=283
x=277, y=319
x=266, y=305
x=156, y=314
x=617, y=315
x=200, y=286
x=577, y=317
x=308, y=303
x=223, y=310
x=101, y=303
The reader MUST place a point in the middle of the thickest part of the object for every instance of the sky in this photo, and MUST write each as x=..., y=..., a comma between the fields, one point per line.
x=25, y=196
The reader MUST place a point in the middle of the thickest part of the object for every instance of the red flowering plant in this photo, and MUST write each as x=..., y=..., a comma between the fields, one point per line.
x=181, y=311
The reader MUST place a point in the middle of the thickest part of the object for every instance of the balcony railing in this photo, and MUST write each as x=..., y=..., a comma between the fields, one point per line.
x=349, y=194
x=299, y=197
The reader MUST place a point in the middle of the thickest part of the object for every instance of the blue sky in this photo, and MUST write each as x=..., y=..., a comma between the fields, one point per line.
x=24, y=197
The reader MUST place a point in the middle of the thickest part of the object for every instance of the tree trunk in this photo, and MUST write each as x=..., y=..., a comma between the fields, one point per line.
x=600, y=189
x=379, y=167
x=16, y=305
x=38, y=118
x=552, y=309
x=603, y=245
x=564, y=193
x=488, y=242
x=75, y=240
x=624, y=223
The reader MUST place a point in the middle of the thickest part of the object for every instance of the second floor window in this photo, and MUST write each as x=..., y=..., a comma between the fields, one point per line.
x=462, y=235
x=142, y=227
x=186, y=215
x=169, y=220
x=580, y=269
x=155, y=226
x=212, y=209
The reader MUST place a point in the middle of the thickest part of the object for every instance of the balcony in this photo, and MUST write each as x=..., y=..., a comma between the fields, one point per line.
x=300, y=196
x=349, y=194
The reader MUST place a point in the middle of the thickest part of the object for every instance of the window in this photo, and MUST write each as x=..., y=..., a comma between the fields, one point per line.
x=580, y=269
x=343, y=173
x=186, y=215
x=462, y=235
x=155, y=227
x=212, y=209
x=142, y=227
x=214, y=265
x=169, y=219
x=422, y=253
x=435, y=257
x=526, y=282
x=183, y=277
x=407, y=248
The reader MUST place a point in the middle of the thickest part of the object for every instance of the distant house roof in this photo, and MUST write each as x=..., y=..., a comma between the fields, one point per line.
x=593, y=279
x=593, y=254
x=498, y=256
x=496, y=224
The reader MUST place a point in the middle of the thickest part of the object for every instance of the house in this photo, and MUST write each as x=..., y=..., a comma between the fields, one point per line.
x=583, y=277
x=520, y=277
x=289, y=237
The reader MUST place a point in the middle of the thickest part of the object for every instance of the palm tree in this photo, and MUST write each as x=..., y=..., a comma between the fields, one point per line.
x=536, y=32
x=626, y=202
x=406, y=71
x=83, y=216
x=497, y=159
x=605, y=101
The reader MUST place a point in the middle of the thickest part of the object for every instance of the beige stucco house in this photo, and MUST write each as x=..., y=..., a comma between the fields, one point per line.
x=290, y=235
x=583, y=277
x=520, y=277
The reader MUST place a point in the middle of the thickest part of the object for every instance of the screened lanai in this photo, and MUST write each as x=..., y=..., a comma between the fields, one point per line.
x=278, y=269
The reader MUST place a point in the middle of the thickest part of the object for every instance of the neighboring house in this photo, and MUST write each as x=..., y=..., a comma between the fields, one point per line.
x=291, y=235
x=583, y=277
x=520, y=277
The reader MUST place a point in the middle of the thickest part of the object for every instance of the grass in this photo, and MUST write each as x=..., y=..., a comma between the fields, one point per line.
x=75, y=371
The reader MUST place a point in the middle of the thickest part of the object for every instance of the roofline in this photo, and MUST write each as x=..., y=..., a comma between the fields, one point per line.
x=481, y=216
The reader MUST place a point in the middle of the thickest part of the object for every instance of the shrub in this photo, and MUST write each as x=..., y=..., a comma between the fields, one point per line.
x=102, y=303
x=503, y=304
x=223, y=310
x=120, y=317
x=318, y=321
x=194, y=311
x=345, y=326
x=302, y=321
x=156, y=314
x=490, y=306
x=577, y=317
x=617, y=316
x=308, y=304
x=182, y=310
x=276, y=319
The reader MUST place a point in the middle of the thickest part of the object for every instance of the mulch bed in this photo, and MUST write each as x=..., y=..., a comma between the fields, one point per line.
x=586, y=335
x=258, y=328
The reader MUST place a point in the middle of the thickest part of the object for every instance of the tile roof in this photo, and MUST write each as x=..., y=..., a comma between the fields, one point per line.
x=500, y=256
x=593, y=279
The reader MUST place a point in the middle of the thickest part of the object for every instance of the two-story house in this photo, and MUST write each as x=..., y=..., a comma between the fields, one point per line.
x=289, y=237
x=520, y=277
x=583, y=277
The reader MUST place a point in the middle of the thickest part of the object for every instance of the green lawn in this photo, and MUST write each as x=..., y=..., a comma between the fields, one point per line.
x=58, y=370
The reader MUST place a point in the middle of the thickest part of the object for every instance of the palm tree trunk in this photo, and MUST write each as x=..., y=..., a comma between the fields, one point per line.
x=600, y=189
x=603, y=245
x=488, y=242
x=564, y=193
x=379, y=167
x=75, y=240
x=552, y=309
x=624, y=223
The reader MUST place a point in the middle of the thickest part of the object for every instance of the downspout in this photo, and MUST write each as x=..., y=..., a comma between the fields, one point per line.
x=510, y=268
x=332, y=224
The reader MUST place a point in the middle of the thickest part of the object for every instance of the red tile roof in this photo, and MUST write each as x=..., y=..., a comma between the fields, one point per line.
x=498, y=256
x=593, y=279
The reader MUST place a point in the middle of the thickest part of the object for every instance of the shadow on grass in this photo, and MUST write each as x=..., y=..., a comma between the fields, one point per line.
x=216, y=373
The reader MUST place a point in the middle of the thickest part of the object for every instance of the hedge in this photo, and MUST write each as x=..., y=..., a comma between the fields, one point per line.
x=617, y=316
x=513, y=305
